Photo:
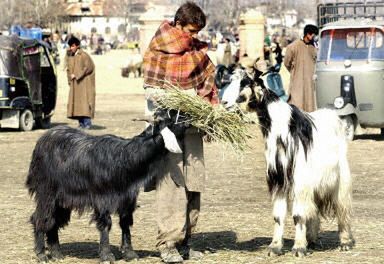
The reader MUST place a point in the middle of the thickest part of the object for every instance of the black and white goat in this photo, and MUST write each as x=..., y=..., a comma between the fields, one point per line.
x=307, y=167
x=72, y=170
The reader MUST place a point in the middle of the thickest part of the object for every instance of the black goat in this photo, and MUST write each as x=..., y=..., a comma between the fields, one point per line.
x=72, y=170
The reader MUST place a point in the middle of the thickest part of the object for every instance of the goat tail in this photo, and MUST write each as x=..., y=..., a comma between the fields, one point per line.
x=31, y=182
x=34, y=172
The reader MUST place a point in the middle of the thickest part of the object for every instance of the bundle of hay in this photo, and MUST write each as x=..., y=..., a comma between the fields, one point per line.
x=218, y=123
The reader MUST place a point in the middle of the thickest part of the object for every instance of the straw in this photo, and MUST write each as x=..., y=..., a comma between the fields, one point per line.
x=220, y=125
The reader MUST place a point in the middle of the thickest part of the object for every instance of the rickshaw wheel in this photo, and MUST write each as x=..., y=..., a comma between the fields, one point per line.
x=26, y=120
x=350, y=127
x=43, y=123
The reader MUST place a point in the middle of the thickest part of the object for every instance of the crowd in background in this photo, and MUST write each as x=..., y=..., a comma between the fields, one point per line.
x=224, y=44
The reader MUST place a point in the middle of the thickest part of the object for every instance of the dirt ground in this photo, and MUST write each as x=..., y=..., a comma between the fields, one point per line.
x=235, y=224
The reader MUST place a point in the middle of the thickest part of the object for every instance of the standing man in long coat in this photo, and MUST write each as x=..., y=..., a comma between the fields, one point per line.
x=300, y=59
x=81, y=80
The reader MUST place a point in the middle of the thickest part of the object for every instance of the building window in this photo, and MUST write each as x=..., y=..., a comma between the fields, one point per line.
x=107, y=30
x=122, y=28
x=85, y=9
x=93, y=30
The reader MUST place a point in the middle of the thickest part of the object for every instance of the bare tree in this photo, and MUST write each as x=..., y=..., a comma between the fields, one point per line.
x=42, y=13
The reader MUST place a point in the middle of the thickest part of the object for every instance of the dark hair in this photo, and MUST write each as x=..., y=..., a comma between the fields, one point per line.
x=311, y=29
x=190, y=13
x=74, y=40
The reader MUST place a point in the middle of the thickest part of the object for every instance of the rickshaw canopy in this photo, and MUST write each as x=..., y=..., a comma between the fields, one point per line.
x=12, y=52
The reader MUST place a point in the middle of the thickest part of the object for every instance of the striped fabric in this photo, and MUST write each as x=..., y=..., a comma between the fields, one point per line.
x=173, y=57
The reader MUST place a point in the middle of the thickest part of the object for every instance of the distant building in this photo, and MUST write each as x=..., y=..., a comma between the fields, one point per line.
x=85, y=17
x=290, y=18
x=277, y=22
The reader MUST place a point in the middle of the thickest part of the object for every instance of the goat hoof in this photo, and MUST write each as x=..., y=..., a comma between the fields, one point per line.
x=129, y=255
x=346, y=246
x=274, y=251
x=42, y=258
x=107, y=258
x=312, y=245
x=56, y=255
x=299, y=252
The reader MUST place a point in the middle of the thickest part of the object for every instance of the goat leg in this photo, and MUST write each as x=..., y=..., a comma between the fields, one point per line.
x=279, y=213
x=104, y=224
x=300, y=247
x=39, y=239
x=126, y=247
x=40, y=246
x=345, y=234
x=53, y=243
x=126, y=220
x=344, y=206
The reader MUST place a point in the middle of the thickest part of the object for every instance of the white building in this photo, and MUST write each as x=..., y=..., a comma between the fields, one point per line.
x=290, y=18
x=85, y=17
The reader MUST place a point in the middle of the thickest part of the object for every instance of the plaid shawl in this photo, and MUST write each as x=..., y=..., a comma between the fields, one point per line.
x=176, y=58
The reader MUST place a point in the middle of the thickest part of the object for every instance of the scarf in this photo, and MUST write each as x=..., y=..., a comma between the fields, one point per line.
x=174, y=57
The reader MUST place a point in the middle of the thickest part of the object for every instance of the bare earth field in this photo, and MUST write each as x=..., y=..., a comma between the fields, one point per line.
x=235, y=224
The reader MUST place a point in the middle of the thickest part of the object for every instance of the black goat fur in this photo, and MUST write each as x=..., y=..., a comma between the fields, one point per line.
x=72, y=170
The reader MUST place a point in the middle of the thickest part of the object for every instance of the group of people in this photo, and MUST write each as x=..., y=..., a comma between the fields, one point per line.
x=177, y=56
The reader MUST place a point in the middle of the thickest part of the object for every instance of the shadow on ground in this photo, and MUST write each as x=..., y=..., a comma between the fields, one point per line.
x=94, y=127
x=209, y=242
x=59, y=124
x=376, y=137
x=89, y=250
x=227, y=240
x=97, y=127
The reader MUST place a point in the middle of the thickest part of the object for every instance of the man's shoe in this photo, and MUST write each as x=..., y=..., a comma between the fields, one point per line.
x=84, y=127
x=170, y=254
x=194, y=254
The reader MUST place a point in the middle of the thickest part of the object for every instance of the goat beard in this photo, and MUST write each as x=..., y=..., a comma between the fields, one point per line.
x=170, y=141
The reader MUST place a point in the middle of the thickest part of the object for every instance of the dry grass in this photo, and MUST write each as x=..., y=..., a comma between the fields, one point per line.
x=219, y=124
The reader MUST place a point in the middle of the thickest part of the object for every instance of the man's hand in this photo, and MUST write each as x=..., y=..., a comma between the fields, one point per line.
x=73, y=77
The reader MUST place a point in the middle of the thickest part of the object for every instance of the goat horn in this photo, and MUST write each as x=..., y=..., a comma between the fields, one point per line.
x=147, y=119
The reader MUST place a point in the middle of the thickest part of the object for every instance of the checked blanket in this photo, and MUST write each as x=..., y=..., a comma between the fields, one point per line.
x=174, y=57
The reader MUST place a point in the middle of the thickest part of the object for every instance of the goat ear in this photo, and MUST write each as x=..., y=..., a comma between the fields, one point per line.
x=170, y=141
x=259, y=92
x=257, y=74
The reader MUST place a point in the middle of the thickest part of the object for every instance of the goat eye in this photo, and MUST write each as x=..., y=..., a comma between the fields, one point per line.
x=259, y=94
x=241, y=99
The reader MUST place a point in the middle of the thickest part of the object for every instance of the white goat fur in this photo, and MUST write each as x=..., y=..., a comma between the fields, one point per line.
x=320, y=181
x=324, y=172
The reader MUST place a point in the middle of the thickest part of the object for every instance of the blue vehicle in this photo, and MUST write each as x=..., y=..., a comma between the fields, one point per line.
x=274, y=80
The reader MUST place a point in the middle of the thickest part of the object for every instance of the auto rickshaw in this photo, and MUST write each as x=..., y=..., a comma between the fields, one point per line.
x=350, y=65
x=28, y=83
